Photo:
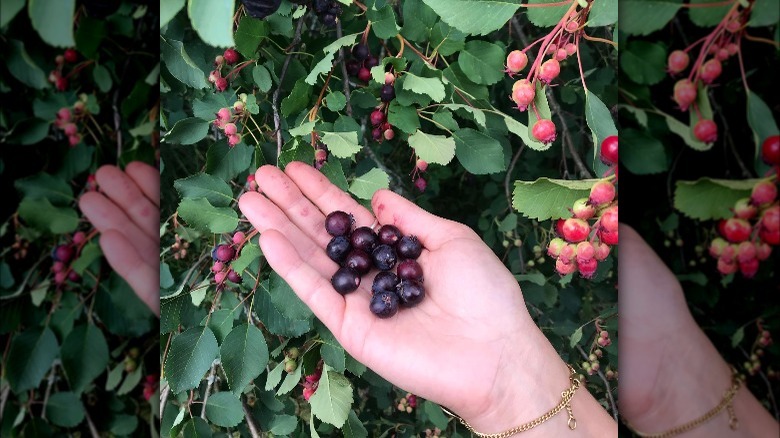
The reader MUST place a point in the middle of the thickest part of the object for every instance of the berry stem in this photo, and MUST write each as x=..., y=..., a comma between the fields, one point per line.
x=708, y=42
x=599, y=40
x=579, y=63
x=742, y=64
x=760, y=40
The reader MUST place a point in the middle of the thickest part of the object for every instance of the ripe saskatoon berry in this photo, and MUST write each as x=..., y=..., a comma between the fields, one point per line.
x=231, y=56
x=410, y=270
x=410, y=292
x=744, y=210
x=770, y=150
x=387, y=93
x=376, y=134
x=364, y=74
x=384, y=257
x=353, y=67
x=384, y=304
x=582, y=209
x=409, y=247
x=62, y=253
x=389, y=234
x=601, y=193
x=706, y=131
x=608, y=237
x=587, y=267
x=338, y=223
x=364, y=239
x=385, y=281
x=609, y=219
x=770, y=219
x=360, y=52
x=523, y=94
x=609, y=150
x=338, y=248
x=763, y=193
x=71, y=55
x=377, y=117
x=223, y=253
x=710, y=70
x=736, y=230
x=221, y=84
x=371, y=61
x=345, y=280
x=575, y=230
x=234, y=277
x=549, y=70
x=749, y=268
x=420, y=184
x=678, y=61
x=516, y=61
x=358, y=260
x=544, y=131
x=684, y=93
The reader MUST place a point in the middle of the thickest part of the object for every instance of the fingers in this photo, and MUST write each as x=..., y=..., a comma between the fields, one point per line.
x=147, y=178
x=311, y=286
x=143, y=277
x=105, y=215
x=432, y=230
x=326, y=196
x=123, y=191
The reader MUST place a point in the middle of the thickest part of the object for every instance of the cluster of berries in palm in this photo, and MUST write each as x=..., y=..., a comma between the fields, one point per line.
x=64, y=255
x=716, y=48
x=226, y=122
x=358, y=251
x=57, y=76
x=224, y=61
x=67, y=118
x=223, y=255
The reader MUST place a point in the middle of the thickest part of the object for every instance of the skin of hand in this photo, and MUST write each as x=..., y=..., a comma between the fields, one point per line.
x=470, y=346
x=126, y=212
x=670, y=372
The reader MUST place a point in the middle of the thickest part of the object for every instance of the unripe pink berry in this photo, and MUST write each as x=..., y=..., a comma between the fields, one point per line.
x=234, y=139
x=716, y=247
x=585, y=251
x=602, y=251
x=64, y=114
x=743, y=209
x=221, y=84
x=219, y=60
x=57, y=266
x=587, y=269
x=549, y=70
x=219, y=277
x=570, y=49
x=59, y=59
x=320, y=155
x=70, y=129
x=389, y=134
x=74, y=139
x=230, y=128
x=770, y=218
x=677, y=62
x=710, y=70
x=421, y=165
x=736, y=230
x=523, y=93
x=420, y=184
x=763, y=192
x=233, y=277
x=575, y=230
x=568, y=253
x=224, y=114
x=224, y=253
x=516, y=61
x=763, y=251
x=564, y=268
x=250, y=181
x=389, y=78
x=748, y=268
x=608, y=237
x=74, y=276
x=706, y=131
x=602, y=192
x=733, y=26
x=552, y=48
x=238, y=237
x=561, y=54
x=684, y=93
x=582, y=209
x=555, y=246
x=746, y=251
x=217, y=267
x=71, y=55
x=214, y=75
x=79, y=237
x=544, y=131
x=307, y=393
x=722, y=55
x=60, y=277
x=238, y=107
x=572, y=26
x=732, y=49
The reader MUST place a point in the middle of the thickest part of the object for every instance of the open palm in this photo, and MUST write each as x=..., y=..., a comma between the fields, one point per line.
x=457, y=342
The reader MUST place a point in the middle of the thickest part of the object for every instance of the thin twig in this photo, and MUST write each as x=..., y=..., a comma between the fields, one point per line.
x=606, y=385
x=166, y=390
x=249, y=421
x=344, y=73
x=509, y=174
x=566, y=137
x=275, y=98
x=4, y=398
x=730, y=141
x=49, y=384
x=212, y=377
x=92, y=429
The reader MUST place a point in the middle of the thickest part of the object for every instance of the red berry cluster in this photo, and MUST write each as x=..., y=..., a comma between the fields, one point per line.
x=222, y=255
x=66, y=121
x=150, y=386
x=382, y=130
x=312, y=381
x=717, y=47
x=225, y=121
x=420, y=166
x=56, y=76
x=361, y=63
x=358, y=251
x=228, y=58
x=748, y=236
x=62, y=255
x=407, y=403
x=592, y=365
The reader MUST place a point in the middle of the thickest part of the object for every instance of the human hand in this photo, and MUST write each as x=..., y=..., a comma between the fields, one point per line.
x=126, y=211
x=670, y=371
x=470, y=345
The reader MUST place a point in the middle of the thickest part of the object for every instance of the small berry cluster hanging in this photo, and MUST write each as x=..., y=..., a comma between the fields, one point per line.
x=62, y=257
x=226, y=122
x=226, y=59
x=328, y=11
x=362, y=62
x=67, y=118
x=223, y=255
x=762, y=341
x=593, y=365
x=407, y=403
x=358, y=251
x=57, y=77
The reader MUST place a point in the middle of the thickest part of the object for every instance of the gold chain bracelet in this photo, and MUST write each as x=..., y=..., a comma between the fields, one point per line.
x=725, y=403
x=565, y=403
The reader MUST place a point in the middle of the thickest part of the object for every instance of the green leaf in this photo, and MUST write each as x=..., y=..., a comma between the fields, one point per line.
x=274, y=376
x=188, y=131
x=644, y=62
x=645, y=155
x=685, y=132
x=332, y=401
x=249, y=35
x=244, y=355
x=283, y=424
x=383, y=22
x=765, y=13
x=291, y=380
x=364, y=186
x=220, y=322
x=285, y=299
x=435, y=414
x=206, y=107
x=227, y=162
x=707, y=199
x=708, y=16
x=275, y=321
x=224, y=409
x=548, y=198
x=341, y=144
x=575, y=337
x=131, y=381
x=30, y=357
x=546, y=16
x=297, y=100
x=65, y=409
x=196, y=427
x=43, y=185
x=462, y=14
x=404, y=118
x=432, y=148
x=760, y=118
x=190, y=357
x=335, y=101
x=476, y=114
x=169, y=9
x=22, y=67
x=41, y=214
x=213, y=21
x=249, y=253
x=28, y=131
x=332, y=169
x=170, y=313
x=418, y=19
x=102, y=78
x=432, y=87
x=199, y=213
x=326, y=63
x=354, y=428
x=478, y=153
x=53, y=19
x=332, y=352
x=84, y=356
x=9, y=9
x=643, y=17
x=603, y=13
x=203, y=185
x=737, y=337
x=482, y=61
x=600, y=122
x=180, y=65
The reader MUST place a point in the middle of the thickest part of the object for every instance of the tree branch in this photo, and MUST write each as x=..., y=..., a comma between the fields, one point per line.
x=92, y=429
x=275, y=97
x=249, y=421
x=211, y=380
x=164, y=392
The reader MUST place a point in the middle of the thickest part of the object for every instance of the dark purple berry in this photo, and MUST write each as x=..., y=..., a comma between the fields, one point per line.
x=387, y=94
x=321, y=6
x=345, y=280
x=371, y=62
x=410, y=270
x=384, y=257
x=409, y=247
x=384, y=281
x=384, y=304
x=234, y=277
x=338, y=223
x=62, y=253
x=411, y=293
x=376, y=133
x=360, y=52
x=364, y=238
x=223, y=253
x=353, y=67
x=74, y=276
x=389, y=234
x=358, y=260
x=338, y=248
x=329, y=20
